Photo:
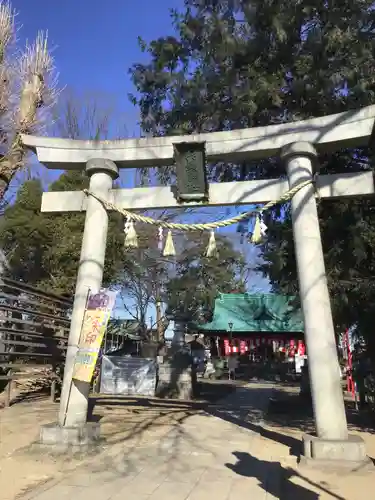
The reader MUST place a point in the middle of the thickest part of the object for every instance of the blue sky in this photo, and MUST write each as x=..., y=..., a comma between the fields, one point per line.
x=96, y=41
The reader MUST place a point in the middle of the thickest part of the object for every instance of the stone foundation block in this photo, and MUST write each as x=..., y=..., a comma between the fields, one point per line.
x=175, y=378
x=80, y=439
x=349, y=454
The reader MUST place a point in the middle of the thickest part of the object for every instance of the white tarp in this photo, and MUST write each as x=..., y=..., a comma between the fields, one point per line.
x=126, y=375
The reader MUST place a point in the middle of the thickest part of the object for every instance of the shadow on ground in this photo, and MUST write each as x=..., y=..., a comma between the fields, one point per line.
x=137, y=428
x=130, y=418
x=250, y=411
x=209, y=392
x=275, y=479
x=292, y=411
x=28, y=396
x=147, y=413
x=150, y=432
x=3, y=383
x=267, y=405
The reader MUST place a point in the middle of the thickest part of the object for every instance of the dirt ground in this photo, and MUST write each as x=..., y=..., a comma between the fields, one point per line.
x=285, y=429
x=137, y=422
x=134, y=422
x=326, y=485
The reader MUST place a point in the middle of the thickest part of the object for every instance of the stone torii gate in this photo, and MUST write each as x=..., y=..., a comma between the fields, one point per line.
x=298, y=144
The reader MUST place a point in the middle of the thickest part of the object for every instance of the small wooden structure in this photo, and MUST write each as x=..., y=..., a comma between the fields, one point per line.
x=34, y=328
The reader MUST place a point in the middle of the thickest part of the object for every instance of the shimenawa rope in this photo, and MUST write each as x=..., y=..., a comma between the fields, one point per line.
x=258, y=232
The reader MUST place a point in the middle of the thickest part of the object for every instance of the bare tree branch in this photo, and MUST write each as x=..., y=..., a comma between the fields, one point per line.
x=28, y=90
x=88, y=115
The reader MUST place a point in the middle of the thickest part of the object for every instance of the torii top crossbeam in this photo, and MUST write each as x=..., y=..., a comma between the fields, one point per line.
x=328, y=133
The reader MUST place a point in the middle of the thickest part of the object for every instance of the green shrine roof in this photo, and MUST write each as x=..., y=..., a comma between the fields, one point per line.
x=124, y=328
x=255, y=313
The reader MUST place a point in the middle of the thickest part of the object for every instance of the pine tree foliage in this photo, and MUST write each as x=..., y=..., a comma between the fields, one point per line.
x=43, y=249
x=245, y=63
x=198, y=280
x=237, y=64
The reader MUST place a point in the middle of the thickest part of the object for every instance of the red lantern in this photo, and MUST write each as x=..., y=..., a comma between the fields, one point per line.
x=292, y=348
x=243, y=347
x=227, y=348
x=301, y=348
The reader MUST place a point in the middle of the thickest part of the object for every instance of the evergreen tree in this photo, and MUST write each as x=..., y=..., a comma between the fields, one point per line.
x=198, y=280
x=237, y=64
x=348, y=237
x=242, y=63
x=43, y=249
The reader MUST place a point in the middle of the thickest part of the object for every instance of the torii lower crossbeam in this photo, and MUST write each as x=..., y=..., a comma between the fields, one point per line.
x=221, y=194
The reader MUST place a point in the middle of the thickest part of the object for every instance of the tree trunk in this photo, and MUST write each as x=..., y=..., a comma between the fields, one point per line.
x=4, y=185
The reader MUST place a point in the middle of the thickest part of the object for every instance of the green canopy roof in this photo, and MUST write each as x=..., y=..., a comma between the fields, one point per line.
x=255, y=313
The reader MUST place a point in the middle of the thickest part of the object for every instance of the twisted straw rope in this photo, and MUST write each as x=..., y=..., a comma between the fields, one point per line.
x=199, y=227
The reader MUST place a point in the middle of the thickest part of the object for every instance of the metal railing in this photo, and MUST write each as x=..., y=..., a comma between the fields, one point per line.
x=34, y=328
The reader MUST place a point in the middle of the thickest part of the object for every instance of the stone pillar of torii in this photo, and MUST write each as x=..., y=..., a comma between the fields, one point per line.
x=298, y=144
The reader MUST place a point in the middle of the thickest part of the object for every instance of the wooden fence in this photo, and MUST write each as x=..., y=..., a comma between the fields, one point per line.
x=34, y=328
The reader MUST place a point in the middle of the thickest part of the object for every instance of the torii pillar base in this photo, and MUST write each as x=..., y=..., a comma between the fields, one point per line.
x=336, y=455
x=55, y=439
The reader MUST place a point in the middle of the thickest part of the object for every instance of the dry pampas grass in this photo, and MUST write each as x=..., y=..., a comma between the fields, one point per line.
x=28, y=91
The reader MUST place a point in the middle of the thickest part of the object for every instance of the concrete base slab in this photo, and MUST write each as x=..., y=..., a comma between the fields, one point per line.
x=348, y=455
x=338, y=466
x=56, y=439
